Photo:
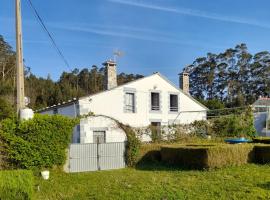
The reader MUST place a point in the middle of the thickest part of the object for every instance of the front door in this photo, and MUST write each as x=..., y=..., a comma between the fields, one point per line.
x=156, y=131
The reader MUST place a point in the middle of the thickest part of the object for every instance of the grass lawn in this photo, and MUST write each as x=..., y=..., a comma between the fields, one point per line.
x=247, y=182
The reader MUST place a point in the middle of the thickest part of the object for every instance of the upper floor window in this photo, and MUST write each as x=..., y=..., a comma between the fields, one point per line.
x=155, y=101
x=173, y=102
x=130, y=102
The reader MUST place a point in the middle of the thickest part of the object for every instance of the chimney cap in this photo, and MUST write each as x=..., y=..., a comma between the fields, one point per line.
x=109, y=62
x=183, y=73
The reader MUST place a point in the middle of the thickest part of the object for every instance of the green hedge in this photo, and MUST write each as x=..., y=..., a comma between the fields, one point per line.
x=16, y=184
x=263, y=140
x=262, y=154
x=37, y=143
x=205, y=156
x=149, y=154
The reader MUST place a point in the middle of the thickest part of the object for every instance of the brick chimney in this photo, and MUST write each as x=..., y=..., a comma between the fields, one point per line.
x=184, y=82
x=110, y=79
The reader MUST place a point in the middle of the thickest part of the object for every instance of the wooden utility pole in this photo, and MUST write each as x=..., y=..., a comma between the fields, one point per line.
x=19, y=59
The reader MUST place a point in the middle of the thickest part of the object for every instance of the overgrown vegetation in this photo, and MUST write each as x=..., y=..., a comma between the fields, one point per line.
x=37, y=143
x=16, y=184
x=133, y=145
x=234, y=125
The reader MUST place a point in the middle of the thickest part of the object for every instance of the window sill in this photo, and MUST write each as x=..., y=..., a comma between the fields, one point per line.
x=155, y=111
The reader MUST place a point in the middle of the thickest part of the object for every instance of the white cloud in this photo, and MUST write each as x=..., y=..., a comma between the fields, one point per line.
x=194, y=13
x=131, y=32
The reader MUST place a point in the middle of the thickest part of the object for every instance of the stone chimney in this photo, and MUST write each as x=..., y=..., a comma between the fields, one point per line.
x=184, y=82
x=110, y=79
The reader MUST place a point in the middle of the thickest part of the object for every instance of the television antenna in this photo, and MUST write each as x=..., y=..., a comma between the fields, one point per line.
x=116, y=54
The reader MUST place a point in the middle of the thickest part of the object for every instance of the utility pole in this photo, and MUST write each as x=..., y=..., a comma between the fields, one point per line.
x=19, y=59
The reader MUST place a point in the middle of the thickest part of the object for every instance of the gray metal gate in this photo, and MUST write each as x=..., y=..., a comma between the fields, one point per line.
x=93, y=157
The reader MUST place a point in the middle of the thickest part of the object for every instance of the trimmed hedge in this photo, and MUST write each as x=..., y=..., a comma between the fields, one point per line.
x=149, y=154
x=263, y=140
x=262, y=154
x=206, y=156
x=16, y=184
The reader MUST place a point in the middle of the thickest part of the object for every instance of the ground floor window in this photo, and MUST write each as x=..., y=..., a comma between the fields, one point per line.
x=99, y=137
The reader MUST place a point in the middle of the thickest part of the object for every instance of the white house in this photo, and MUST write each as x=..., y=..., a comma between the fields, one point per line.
x=152, y=100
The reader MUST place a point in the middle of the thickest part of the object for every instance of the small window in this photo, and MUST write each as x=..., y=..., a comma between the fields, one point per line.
x=130, y=102
x=99, y=137
x=173, y=103
x=155, y=101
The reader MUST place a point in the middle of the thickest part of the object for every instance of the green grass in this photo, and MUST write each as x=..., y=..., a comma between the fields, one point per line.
x=16, y=184
x=246, y=182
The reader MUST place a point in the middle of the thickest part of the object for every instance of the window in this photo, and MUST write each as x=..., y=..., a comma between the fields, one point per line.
x=130, y=102
x=173, y=103
x=155, y=101
x=99, y=137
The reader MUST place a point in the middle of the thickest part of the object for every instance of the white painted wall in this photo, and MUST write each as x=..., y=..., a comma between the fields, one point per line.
x=99, y=123
x=111, y=103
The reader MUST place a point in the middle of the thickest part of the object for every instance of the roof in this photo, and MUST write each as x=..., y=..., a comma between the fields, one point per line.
x=157, y=73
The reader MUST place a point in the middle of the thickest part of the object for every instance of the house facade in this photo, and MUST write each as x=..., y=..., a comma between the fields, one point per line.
x=152, y=100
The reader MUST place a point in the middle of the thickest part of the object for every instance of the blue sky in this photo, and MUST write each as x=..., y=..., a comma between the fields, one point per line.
x=155, y=35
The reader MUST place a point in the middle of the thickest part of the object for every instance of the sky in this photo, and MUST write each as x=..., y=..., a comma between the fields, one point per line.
x=154, y=35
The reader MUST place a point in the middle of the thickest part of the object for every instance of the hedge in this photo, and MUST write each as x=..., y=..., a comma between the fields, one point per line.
x=16, y=184
x=262, y=154
x=206, y=156
x=37, y=143
x=263, y=140
x=149, y=154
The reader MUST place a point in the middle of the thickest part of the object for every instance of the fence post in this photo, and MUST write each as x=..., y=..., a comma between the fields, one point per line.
x=98, y=164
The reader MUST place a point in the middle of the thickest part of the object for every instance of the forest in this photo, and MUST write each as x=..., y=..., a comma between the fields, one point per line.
x=234, y=77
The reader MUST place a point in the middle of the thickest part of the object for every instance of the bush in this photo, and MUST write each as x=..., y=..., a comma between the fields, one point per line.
x=133, y=145
x=205, y=156
x=234, y=125
x=6, y=110
x=16, y=184
x=37, y=143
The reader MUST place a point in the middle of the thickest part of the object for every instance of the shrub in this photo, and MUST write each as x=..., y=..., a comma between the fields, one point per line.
x=16, y=184
x=6, y=110
x=207, y=155
x=234, y=125
x=202, y=128
x=133, y=145
x=37, y=143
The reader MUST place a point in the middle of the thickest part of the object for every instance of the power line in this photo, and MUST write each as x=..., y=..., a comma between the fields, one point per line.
x=49, y=34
